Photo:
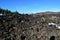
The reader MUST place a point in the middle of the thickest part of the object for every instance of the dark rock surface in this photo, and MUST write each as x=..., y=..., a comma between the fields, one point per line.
x=29, y=27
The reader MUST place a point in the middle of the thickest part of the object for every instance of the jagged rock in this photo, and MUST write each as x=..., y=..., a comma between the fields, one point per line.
x=28, y=27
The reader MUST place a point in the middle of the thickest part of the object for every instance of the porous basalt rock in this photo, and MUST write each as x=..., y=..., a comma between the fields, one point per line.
x=28, y=27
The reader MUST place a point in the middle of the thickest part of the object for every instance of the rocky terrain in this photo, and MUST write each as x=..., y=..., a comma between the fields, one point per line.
x=29, y=27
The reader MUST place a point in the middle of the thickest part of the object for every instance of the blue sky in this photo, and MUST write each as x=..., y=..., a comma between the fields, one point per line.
x=30, y=6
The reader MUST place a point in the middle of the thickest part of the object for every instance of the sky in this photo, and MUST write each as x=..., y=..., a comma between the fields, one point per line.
x=30, y=6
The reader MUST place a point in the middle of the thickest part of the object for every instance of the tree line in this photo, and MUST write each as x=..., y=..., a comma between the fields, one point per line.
x=3, y=11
